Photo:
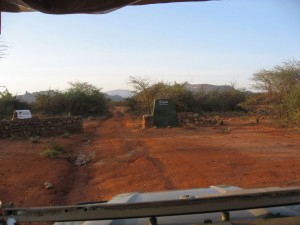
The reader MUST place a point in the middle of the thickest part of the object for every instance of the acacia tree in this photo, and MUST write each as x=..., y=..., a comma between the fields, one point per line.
x=83, y=98
x=281, y=88
x=144, y=95
x=279, y=80
x=182, y=97
x=51, y=103
x=146, y=92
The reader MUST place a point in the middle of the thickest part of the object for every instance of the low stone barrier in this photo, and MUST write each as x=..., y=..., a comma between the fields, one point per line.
x=147, y=121
x=196, y=120
x=40, y=127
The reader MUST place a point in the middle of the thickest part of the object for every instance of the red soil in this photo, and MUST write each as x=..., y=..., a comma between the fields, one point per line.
x=126, y=158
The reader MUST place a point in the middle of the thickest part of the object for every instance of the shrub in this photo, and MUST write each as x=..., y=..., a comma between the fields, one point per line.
x=53, y=150
x=34, y=139
x=281, y=92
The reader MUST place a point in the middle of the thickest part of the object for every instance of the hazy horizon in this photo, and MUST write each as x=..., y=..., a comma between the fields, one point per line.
x=104, y=91
x=214, y=42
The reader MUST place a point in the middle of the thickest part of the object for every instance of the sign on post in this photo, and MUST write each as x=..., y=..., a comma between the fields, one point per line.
x=164, y=113
x=23, y=114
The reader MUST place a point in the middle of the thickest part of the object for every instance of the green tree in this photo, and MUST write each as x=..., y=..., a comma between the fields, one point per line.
x=80, y=99
x=256, y=103
x=9, y=103
x=85, y=99
x=144, y=95
x=146, y=92
x=199, y=97
x=289, y=110
x=279, y=80
x=42, y=101
x=182, y=97
x=280, y=86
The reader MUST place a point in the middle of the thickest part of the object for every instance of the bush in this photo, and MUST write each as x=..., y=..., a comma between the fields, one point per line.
x=9, y=103
x=81, y=99
x=53, y=150
x=289, y=109
x=281, y=92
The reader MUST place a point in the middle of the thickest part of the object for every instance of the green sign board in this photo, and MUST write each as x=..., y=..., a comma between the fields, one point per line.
x=164, y=113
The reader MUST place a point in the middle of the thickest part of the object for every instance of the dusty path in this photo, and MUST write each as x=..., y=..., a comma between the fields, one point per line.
x=132, y=159
x=126, y=158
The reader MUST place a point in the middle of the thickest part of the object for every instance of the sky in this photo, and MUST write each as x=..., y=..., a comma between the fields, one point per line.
x=215, y=42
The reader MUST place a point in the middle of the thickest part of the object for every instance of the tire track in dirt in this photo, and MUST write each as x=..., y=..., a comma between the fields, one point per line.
x=180, y=170
x=166, y=159
x=157, y=164
x=122, y=162
x=135, y=160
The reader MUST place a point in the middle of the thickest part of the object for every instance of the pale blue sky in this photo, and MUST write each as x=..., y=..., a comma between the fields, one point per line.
x=215, y=42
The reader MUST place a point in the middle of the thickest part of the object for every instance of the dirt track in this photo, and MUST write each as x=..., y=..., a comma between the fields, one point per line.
x=126, y=158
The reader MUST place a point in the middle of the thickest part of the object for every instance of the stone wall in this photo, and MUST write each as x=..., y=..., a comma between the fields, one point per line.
x=147, y=121
x=196, y=120
x=40, y=127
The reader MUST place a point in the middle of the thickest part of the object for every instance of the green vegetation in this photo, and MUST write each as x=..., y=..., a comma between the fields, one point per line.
x=281, y=93
x=185, y=100
x=9, y=103
x=279, y=97
x=53, y=150
x=80, y=99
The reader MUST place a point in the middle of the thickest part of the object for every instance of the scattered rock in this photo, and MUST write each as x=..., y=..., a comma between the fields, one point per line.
x=48, y=185
x=83, y=158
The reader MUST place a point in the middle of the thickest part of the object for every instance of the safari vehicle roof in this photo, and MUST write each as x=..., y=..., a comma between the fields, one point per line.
x=218, y=205
x=75, y=6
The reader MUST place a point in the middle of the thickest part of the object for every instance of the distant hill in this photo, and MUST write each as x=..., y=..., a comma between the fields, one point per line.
x=208, y=87
x=30, y=97
x=120, y=92
x=114, y=98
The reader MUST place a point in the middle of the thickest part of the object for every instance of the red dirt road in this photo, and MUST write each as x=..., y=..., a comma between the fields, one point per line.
x=126, y=158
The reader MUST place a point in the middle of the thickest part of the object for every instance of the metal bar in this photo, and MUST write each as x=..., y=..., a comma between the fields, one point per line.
x=235, y=200
x=0, y=17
